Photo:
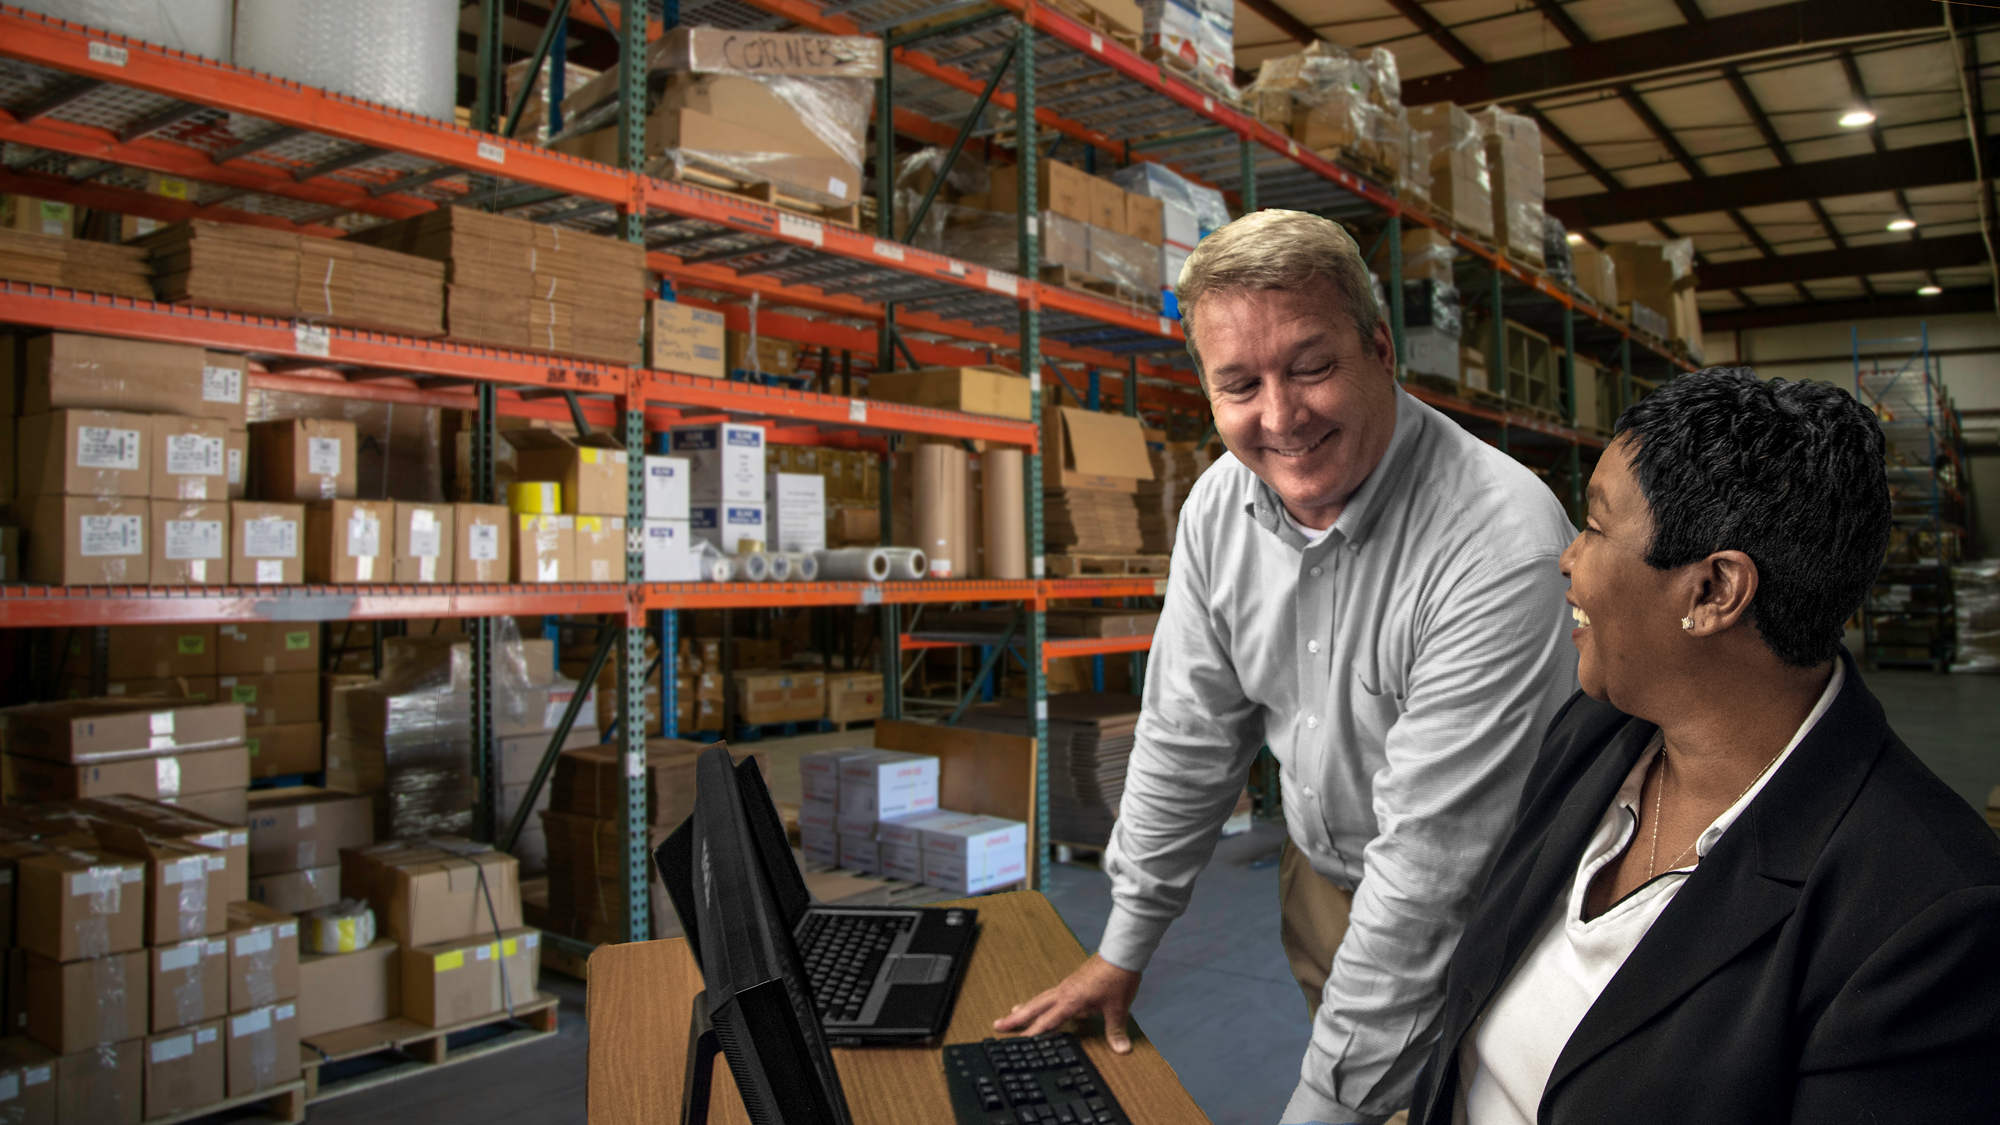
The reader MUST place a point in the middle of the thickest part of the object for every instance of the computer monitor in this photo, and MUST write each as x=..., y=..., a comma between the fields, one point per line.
x=739, y=914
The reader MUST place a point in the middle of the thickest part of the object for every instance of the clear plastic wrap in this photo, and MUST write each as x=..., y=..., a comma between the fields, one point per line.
x=1976, y=592
x=1432, y=304
x=1514, y=156
x=399, y=453
x=1556, y=256
x=1120, y=258
x=1386, y=79
x=344, y=927
x=398, y=53
x=1417, y=175
x=1461, y=184
x=199, y=27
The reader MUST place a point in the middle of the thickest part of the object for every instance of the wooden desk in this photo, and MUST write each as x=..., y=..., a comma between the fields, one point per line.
x=639, y=1003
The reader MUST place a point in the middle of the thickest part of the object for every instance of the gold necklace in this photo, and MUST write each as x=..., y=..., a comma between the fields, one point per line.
x=1659, y=795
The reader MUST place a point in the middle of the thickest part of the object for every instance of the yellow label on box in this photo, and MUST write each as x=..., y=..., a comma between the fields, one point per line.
x=193, y=646
x=243, y=693
x=590, y=523
x=587, y=456
x=296, y=641
x=446, y=962
x=507, y=948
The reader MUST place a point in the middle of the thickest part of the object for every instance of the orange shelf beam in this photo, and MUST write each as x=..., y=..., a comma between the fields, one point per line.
x=744, y=595
x=1092, y=646
x=1135, y=587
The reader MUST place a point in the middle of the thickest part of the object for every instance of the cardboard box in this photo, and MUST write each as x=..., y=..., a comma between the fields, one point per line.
x=729, y=526
x=224, y=378
x=37, y=216
x=667, y=481
x=274, y=699
x=183, y=884
x=819, y=776
x=482, y=549
x=16, y=1011
x=1107, y=205
x=1060, y=188
x=820, y=845
x=900, y=861
x=455, y=982
x=263, y=1048
x=104, y=1084
x=854, y=527
x=545, y=549
x=424, y=542
x=189, y=982
x=86, y=541
x=975, y=390
x=224, y=805
x=725, y=462
x=266, y=543
x=190, y=543
x=600, y=549
x=423, y=895
x=267, y=647
x=1091, y=449
x=96, y=730
x=286, y=749
x=769, y=355
x=1123, y=259
x=172, y=778
x=27, y=1083
x=139, y=652
x=264, y=964
x=708, y=49
x=778, y=697
x=350, y=541
x=686, y=340
x=236, y=462
x=860, y=853
x=853, y=697
x=797, y=512
x=302, y=827
x=669, y=552
x=592, y=470
x=184, y=1069
x=888, y=784
x=343, y=990
x=301, y=460
x=189, y=460
x=76, y=1005
x=64, y=371
x=297, y=892
x=84, y=453
x=1145, y=219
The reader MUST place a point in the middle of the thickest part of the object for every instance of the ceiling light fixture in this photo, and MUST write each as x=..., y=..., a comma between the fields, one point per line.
x=1575, y=239
x=1902, y=224
x=1929, y=291
x=1856, y=118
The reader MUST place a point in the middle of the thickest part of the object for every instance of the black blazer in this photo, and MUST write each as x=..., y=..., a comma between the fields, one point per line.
x=1835, y=958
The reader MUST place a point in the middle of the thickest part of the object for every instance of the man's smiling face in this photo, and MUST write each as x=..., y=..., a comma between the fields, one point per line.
x=1299, y=395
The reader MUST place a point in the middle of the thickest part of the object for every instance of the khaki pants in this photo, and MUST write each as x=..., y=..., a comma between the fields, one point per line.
x=1312, y=916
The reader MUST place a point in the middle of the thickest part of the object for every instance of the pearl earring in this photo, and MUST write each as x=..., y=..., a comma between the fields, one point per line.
x=1687, y=622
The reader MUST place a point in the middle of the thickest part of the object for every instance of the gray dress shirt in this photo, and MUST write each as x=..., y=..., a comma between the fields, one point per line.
x=1402, y=669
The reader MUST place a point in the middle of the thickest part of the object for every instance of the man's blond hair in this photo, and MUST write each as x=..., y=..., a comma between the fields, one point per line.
x=1282, y=250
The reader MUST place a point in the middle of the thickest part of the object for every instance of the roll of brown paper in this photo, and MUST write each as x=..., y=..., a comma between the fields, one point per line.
x=1006, y=515
x=933, y=501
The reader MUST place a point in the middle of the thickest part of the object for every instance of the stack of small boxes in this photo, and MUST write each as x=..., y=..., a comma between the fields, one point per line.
x=296, y=837
x=189, y=754
x=569, y=506
x=846, y=794
x=726, y=484
x=669, y=552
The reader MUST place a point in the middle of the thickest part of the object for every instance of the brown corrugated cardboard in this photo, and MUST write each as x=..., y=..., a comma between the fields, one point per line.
x=190, y=542
x=173, y=778
x=1145, y=219
x=64, y=371
x=16, y=1012
x=591, y=469
x=189, y=982
x=425, y=895
x=779, y=697
x=350, y=541
x=169, y=823
x=263, y=955
x=1059, y=188
x=342, y=990
x=975, y=390
x=303, y=827
x=456, y=982
x=711, y=50
x=297, y=892
x=236, y=462
x=140, y=652
x=1090, y=449
x=263, y=1048
x=86, y=541
x=285, y=750
x=600, y=549
x=79, y=903
x=302, y=459
x=482, y=549
x=273, y=699
x=686, y=340
x=97, y=730
x=180, y=902
x=225, y=806
x=224, y=380
x=1107, y=205
x=80, y=1004
x=104, y=1084
x=425, y=540
x=189, y=459
x=266, y=543
x=853, y=696
x=37, y=216
x=545, y=549
x=192, y=688
x=250, y=647
x=84, y=453
x=184, y=1069
x=27, y=1083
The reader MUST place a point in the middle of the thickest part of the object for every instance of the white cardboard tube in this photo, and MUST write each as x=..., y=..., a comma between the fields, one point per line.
x=854, y=564
x=907, y=564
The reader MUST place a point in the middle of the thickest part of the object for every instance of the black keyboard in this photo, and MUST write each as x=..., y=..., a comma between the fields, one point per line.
x=1047, y=1079
x=843, y=954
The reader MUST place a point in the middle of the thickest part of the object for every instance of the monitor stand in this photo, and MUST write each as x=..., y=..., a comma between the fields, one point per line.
x=702, y=1049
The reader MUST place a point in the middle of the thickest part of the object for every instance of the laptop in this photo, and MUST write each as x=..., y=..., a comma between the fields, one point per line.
x=884, y=975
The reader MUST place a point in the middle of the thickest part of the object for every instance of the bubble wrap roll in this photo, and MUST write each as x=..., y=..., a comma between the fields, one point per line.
x=907, y=564
x=398, y=53
x=854, y=564
x=199, y=27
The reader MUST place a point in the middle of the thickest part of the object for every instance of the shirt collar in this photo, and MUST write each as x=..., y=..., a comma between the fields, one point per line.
x=1365, y=507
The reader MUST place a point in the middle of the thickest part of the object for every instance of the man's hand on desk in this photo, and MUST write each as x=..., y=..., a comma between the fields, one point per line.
x=1096, y=986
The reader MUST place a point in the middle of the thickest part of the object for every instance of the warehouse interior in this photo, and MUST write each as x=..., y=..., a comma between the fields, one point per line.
x=429, y=426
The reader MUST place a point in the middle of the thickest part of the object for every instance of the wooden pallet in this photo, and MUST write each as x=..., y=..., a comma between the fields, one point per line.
x=1078, y=566
x=420, y=1048
x=729, y=182
x=1099, y=287
x=282, y=1103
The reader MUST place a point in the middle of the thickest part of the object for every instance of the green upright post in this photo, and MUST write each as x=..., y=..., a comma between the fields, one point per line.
x=885, y=152
x=890, y=617
x=1246, y=152
x=490, y=84
x=1394, y=284
x=1037, y=621
x=485, y=756
x=632, y=721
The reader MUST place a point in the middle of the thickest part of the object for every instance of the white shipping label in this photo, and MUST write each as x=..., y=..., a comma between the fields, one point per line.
x=288, y=929
x=283, y=1012
x=193, y=454
x=207, y=1035
x=36, y=1075
x=221, y=384
x=483, y=544
x=96, y=881
x=835, y=186
x=250, y=1023
x=10, y=1087
x=256, y=941
x=106, y=447
x=364, y=537
x=183, y=871
x=307, y=817
x=216, y=948
x=235, y=467
x=106, y=536
x=857, y=411
x=271, y=537
x=270, y=572
x=424, y=534
x=181, y=957
x=167, y=776
x=194, y=539
x=167, y=1050
x=323, y=456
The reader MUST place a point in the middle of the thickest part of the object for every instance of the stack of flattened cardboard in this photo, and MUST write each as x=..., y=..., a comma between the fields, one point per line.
x=1175, y=469
x=1091, y=471
x=98, y=267
x=345, y=283
x=225, y=266
x=1089, y=522
x=1090, y=743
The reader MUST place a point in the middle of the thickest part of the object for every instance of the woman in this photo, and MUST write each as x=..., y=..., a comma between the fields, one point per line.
x=1732, y=894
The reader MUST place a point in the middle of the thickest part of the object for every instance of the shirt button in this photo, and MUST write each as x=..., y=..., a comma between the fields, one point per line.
x=1312, y=721
x=1323, y=849
x=1312, y=646
x=1306, y=789
x=1314, y=572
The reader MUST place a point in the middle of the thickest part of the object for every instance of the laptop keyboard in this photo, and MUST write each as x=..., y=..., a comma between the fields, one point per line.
x=843, y=954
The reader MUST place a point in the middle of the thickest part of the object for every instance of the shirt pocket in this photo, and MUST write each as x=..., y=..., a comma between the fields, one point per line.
x=1375, y=710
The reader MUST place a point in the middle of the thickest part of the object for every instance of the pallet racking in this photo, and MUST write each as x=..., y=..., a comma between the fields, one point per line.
x=88, y=114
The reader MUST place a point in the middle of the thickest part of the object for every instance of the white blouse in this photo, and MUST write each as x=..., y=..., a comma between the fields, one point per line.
x=1513, y=1046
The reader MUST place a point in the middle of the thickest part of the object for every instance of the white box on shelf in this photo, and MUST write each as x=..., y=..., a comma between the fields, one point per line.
x=725, y=462
x=817, y=815
x=1172, y=258
x=667, y=494
x=1429, y=351
x=975, y=836
x=1178, y=224
x=819, y=846
x=796, y=505
x=908, y=831
x=854, y=824
x=728, y=525
x=861, y=853
x=669, y=550
x=900, y=861
x=819, y=773
x=1001, y=866
x=889, y=784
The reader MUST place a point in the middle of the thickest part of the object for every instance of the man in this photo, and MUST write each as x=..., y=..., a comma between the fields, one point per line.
x=1373, y=592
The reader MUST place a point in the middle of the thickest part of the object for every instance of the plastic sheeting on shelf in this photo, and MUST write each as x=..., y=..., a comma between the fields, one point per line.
x=200, y=27
x=1976, y=596
x=398, y=53
x=1157, y=181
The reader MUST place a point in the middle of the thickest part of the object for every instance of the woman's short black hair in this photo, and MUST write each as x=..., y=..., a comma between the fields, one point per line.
x=1790, y=474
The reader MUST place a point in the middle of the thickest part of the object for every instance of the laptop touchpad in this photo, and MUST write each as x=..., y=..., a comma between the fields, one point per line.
x=918, y=968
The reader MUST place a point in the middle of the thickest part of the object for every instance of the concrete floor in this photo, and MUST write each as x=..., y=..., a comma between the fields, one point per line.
x=1218, y=999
